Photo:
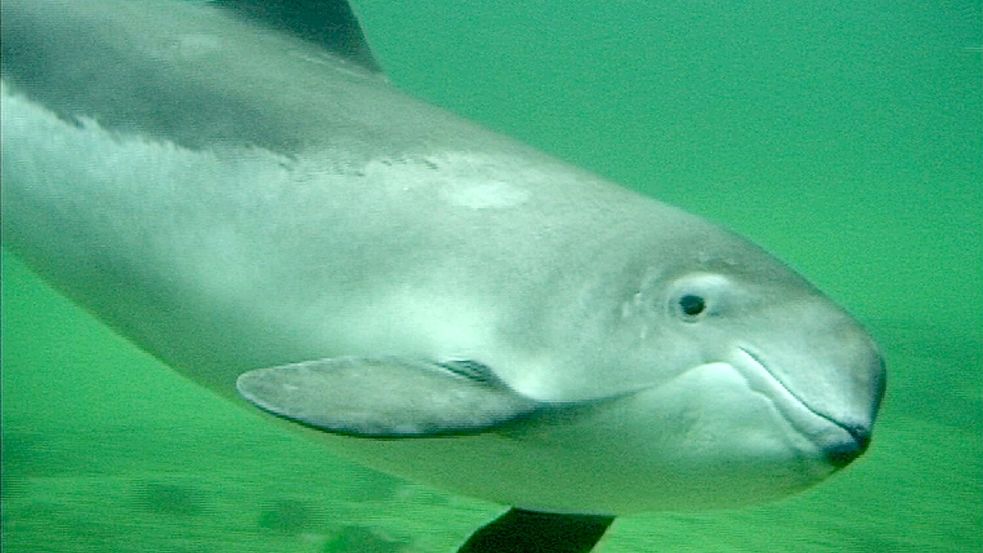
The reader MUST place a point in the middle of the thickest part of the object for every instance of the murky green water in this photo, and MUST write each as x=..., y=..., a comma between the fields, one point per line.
x=847, y=139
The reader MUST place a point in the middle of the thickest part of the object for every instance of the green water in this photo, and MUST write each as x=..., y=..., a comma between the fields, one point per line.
x=847, y=139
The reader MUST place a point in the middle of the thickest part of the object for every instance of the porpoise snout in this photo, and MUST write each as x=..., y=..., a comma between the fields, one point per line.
x=843, y=453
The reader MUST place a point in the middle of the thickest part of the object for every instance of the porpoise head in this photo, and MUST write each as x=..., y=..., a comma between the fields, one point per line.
x=740, y=374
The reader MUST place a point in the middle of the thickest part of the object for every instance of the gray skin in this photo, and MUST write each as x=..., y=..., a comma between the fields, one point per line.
x=430, y=298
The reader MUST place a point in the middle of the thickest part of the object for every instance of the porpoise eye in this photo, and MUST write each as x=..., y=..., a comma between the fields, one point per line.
x=692, y=305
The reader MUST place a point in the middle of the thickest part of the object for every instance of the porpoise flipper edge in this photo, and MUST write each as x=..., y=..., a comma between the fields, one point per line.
x=386, y=397
x=522, y=531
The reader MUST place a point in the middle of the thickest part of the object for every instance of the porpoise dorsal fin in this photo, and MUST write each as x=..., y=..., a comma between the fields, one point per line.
x=387, y=397
x=331, y=24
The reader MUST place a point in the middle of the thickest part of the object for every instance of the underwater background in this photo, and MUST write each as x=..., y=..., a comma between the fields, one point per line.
x=847, y=138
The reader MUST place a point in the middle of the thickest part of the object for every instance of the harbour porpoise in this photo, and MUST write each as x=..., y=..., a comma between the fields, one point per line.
x=254, y=204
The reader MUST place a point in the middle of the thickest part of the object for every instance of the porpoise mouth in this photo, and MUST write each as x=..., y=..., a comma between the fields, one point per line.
x=840, y=443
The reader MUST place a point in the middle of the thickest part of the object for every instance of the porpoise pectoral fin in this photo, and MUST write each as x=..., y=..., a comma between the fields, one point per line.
x=386, y=397
x=521, y=531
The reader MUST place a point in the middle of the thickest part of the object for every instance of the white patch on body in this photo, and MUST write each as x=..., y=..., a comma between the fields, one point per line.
x=461, y=179
x=485, y=195
x=196, y=45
